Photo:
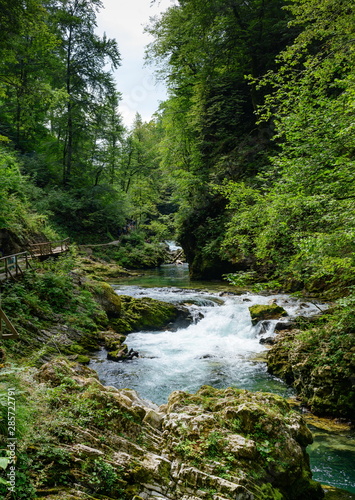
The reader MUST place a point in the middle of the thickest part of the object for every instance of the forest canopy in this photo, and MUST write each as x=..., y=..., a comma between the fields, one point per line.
x=248, y=163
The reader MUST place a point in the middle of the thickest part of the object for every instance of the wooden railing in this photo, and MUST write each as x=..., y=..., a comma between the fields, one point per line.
x=48, y=248
x=12, y=266
x=14, y=333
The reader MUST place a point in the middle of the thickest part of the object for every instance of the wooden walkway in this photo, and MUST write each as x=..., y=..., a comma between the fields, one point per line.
x=49, y=248
x=13, y=266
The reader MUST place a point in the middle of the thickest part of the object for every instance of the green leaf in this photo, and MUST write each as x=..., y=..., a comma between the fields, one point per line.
x=4, y=462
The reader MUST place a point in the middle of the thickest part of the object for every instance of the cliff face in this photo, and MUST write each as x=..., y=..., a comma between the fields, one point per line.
x=98, y=442
x=320, y=364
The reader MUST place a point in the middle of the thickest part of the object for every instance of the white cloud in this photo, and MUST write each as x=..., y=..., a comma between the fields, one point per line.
x=125, y=20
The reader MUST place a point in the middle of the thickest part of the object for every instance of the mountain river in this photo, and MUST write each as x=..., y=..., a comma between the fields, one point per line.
x=220, y=348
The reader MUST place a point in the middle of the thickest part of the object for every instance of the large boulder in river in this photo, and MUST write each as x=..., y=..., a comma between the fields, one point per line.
x=147, y=314
x=265, y=312
x=320, y=363
x=240, y=444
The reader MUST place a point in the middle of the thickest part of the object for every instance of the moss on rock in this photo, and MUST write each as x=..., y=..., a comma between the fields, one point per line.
x=109, y=443
x=106, y=297
x=320, y=364
x=145, y=314
x=119, y=354
x=264, y=312
x=113, y=340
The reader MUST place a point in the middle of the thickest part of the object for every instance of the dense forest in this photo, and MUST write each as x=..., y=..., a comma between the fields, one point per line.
x=248, y=165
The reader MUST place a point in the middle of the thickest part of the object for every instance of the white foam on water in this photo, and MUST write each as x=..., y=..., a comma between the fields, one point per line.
x=217, y=350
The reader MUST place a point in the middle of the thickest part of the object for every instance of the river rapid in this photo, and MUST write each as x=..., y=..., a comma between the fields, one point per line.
x=220, y=348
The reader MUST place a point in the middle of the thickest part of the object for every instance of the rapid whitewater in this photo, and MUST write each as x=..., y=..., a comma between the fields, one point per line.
x=220, y=348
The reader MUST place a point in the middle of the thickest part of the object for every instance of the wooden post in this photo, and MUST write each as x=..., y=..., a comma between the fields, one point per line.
x=10, y=326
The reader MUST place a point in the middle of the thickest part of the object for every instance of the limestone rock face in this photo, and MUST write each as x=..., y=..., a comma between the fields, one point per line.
x=214, y=445
x=321, y=367
x=55, y=371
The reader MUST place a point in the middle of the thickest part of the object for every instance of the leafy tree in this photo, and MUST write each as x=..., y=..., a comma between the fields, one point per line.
x=83, y=55
x=208, y=51
x=139, y=174
x=16, y=213
x=300, y=224
x=27, y=56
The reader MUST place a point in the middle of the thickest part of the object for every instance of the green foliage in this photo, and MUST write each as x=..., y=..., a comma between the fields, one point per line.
x=325, y=349
x=240, y=279
x=209, y=126
x=15, y=211
x=51, y=466
x=300, y=224
x=103, y=478
x=345, y=313
x=99, y=211
x=46, y=297
x=135, y=252
x=17, y=414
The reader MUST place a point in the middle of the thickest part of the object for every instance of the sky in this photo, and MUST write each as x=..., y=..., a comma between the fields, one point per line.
x=124, y=20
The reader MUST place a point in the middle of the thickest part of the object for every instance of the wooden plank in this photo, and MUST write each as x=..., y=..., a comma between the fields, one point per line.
x=9, y=325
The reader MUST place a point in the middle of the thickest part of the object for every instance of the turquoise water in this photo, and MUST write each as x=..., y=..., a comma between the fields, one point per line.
x=217, y=350
x=171, y=275
x=333, y=458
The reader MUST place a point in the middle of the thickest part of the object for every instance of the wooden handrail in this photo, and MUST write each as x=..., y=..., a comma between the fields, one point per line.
x=48, y=247
x=13, y=255
x=66, y=240
x=12, y=266
x=14, y=333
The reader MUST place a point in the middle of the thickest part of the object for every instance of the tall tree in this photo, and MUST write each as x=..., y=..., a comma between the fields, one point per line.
x=84, y=56
x=301, y=223
x=208, y=51
x=27, y=56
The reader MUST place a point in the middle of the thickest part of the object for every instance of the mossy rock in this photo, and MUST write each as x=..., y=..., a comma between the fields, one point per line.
x=106, y=297
x=233, y=430
x=118, y=354
x=145, y=314
x=230, y=442
x=263, y=312
x=61, y=370
x=97, y=269
x=84, y=360
x=113, y=341
x=76, y=349
x=316, y=362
